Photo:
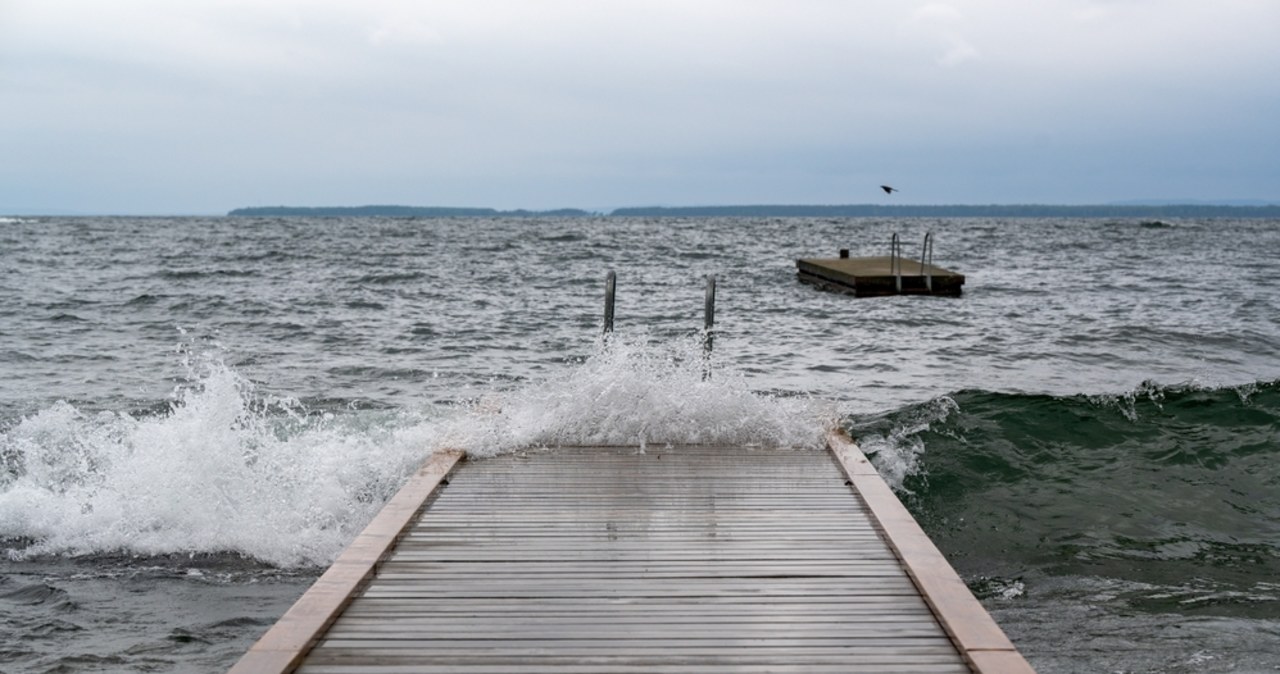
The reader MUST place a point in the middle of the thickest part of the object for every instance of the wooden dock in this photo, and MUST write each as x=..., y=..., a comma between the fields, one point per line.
x=878, y=276
x=678, y=559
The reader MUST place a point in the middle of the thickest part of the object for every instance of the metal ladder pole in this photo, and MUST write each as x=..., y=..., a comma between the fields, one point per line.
x=610, y=282
x=927, y=248
x=895, y=261
x=709, y=322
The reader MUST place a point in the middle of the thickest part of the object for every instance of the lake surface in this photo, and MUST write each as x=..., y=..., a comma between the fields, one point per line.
x=197, y=414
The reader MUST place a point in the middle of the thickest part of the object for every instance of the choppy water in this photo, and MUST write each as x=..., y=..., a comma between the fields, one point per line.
x=197, y=413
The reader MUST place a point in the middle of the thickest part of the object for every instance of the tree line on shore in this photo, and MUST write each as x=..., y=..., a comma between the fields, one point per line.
x=783, y=211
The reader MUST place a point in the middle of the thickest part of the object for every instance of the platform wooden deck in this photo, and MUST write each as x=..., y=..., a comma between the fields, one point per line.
x=876, y=276
x=680, y=559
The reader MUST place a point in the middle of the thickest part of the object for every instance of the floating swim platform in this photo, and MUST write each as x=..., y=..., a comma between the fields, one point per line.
x=879, y=276
x=607, y=559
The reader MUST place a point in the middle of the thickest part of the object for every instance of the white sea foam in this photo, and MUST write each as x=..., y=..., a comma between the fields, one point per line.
x=637, y=393
x=898, y=452
x=230, y=470
x=217, y=473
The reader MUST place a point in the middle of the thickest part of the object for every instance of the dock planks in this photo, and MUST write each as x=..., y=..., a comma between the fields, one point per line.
x=680, y=559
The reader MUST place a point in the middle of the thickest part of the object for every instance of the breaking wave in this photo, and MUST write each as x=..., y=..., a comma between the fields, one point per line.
x=224, y=468
x=1170, y=487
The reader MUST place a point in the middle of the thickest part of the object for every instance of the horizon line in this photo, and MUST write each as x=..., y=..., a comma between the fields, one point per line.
x=1124, y=205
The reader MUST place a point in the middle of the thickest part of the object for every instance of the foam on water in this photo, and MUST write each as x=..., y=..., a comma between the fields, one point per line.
x=892, y=442
x=218, y=472
x=227, y=469
x=635, y=392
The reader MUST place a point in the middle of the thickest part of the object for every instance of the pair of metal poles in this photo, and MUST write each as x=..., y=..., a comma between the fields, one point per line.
x=709, y=309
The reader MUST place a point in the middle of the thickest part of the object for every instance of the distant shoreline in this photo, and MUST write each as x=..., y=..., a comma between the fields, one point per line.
x=402, y=212
x=782, y=211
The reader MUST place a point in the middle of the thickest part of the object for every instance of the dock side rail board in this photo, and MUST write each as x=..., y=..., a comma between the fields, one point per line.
x=284, y=646
x=974, y=632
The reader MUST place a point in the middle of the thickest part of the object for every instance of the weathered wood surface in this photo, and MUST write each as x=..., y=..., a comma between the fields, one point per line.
x=681, y=559
x=689, y=559
x=874, y=276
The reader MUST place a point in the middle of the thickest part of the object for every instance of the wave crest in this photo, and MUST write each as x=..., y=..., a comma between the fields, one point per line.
x=1179, y=478
x=217, y=472
x=636, y=393
x=225, y=468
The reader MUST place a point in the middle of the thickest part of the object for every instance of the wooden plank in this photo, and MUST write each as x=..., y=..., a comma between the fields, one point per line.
x=691, y=655
x=654, y=591
x=428, y=666
x=972, y=629
x=406, y=631
x=826, y=605
x=780, y=651
x=283, y=646
x=766, y=571
x=501, y=569
x=532, y=649
x=473, y=622
x=795, y=611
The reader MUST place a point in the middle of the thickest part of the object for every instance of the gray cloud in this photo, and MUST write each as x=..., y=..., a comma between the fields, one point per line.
x=144, y=105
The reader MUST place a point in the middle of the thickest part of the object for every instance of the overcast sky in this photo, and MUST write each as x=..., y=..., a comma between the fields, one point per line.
x=200, y=106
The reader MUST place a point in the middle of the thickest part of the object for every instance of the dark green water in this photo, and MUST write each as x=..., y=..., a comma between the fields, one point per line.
x=1140, y=532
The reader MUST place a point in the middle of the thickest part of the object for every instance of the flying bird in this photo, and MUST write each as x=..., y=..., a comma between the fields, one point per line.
x=889, y=190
